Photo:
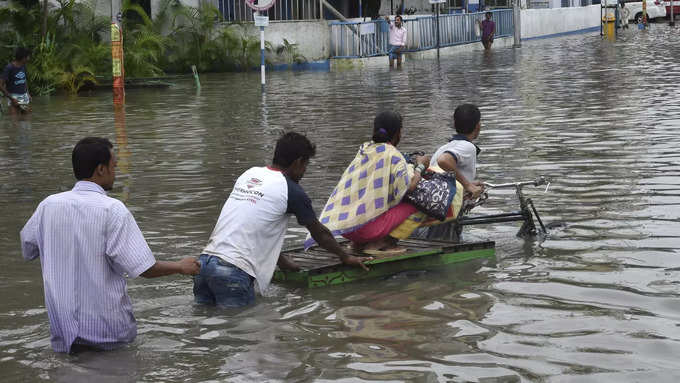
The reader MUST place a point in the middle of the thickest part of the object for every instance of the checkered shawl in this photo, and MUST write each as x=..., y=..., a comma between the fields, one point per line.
x=375, y=181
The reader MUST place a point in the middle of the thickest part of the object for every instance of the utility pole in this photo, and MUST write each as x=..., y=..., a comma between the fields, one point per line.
x=438, y=41
x=437, y=4
x=117, y=55
x=517, y=21
x=261, y=21
x=117, y=62
x=672, y=22
x=262, y=68
x=258, y=7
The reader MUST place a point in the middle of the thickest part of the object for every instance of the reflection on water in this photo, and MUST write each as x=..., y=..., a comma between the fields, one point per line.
x=597, y=301
x=122, y=153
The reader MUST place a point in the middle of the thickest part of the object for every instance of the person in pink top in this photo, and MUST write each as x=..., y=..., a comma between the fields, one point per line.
x=488, y=28
x=397, y=40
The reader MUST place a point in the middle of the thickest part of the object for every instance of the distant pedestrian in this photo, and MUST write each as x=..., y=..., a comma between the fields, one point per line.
x=397, y=40
x=488, y=28
x=14, y=82
x=89, y=244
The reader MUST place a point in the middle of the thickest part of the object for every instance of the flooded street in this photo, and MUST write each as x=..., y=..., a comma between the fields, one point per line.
x=597, y=301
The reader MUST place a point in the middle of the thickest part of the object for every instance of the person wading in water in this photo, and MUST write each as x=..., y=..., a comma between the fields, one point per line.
x=397, y=40
x=488, y=28
x=14, y=83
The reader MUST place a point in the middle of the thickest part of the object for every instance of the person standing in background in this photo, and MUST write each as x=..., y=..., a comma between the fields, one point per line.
x=14, y=82
x=488, y=28
x=397, y=40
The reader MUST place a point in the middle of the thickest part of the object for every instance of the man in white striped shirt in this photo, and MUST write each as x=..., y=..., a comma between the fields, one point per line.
x=88, y=244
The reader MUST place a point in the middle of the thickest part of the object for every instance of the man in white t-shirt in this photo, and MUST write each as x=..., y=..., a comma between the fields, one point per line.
x=245, y=245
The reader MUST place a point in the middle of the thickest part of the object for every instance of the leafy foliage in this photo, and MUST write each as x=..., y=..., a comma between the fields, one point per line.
x=199, y=39
x=143, y=42
x=290, y=52
x=19, y=28
x=74, y=52
x=68, y=62
x=45, y=69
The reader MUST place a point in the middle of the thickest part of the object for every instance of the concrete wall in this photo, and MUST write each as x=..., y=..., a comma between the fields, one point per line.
x=312, y=37
x=546, y=22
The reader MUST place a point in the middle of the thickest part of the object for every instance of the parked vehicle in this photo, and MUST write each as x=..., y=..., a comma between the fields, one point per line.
x=655, y=8
x=676, y=7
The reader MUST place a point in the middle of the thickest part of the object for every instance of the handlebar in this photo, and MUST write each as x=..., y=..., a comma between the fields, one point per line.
x=517, y=185
x=537, y=182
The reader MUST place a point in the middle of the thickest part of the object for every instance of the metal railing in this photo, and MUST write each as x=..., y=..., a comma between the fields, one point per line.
x=371, y=38
x=457, y=6
x=236, y=10
x=538, y=4
x=542, y=4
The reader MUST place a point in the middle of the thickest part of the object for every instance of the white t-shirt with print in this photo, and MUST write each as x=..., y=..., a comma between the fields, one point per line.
x=250, y=230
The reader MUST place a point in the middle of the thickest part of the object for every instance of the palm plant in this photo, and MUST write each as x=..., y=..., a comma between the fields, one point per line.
x=247, y=52
x=71, y=52
x=81, y=45
x=143, y=50
x=244, y=50
x=22, y=20
x=46, y=69
x=143, y=43
x=65, y=63
x=74, y=20
x=76, y=78
x=290, y=52
x=195, y=39
x=20, y=28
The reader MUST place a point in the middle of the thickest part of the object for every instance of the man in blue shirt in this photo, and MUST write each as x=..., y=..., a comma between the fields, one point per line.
x=14, y=82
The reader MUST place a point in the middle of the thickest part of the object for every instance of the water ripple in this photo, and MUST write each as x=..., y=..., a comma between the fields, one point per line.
x=596, y=301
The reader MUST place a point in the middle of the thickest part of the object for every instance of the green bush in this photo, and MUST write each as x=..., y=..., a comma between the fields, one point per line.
x=290, y=52
x=72, y=53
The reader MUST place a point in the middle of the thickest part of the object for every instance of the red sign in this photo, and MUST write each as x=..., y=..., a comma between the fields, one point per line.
x=260, y=5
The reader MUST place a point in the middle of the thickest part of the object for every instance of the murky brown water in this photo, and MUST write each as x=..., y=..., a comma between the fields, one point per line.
x=598, y=301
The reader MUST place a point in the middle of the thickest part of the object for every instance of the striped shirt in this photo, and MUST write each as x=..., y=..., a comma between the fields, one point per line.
x=88, y=244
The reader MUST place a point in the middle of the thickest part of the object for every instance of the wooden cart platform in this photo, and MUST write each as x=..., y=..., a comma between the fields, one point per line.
x=321, y=268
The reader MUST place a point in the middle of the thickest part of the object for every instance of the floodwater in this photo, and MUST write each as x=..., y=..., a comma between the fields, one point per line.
x=597, y=301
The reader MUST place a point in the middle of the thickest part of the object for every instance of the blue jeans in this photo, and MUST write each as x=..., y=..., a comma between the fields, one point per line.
x=392, y=52
x=223, y=284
